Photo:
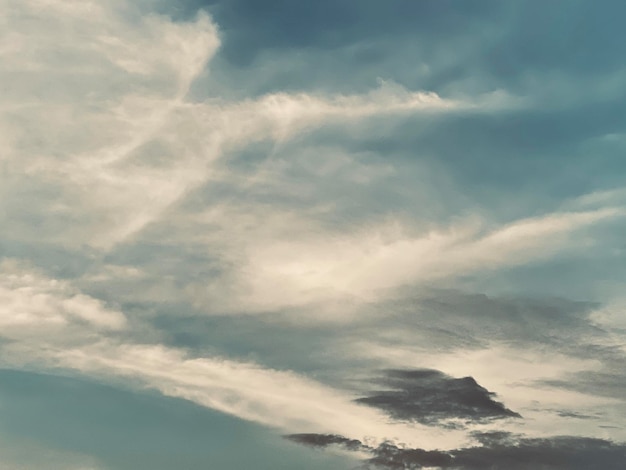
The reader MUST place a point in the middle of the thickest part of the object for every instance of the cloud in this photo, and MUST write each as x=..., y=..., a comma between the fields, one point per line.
x=431, y=397
x=514, y=346
x=280, y=399
x=48, y=324
x=162, y=179
x=141, y=144
x=497, y=451
x=103, y=140
x=34, y=303
x=89, y=86
x=607, y=382
x=365, y=264
x=544, y=357
x=325, y=440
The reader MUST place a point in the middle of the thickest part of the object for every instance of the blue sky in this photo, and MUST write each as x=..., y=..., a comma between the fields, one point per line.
x=314, y=235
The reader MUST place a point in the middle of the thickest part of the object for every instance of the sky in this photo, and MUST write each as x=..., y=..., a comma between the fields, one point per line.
x=323, y=235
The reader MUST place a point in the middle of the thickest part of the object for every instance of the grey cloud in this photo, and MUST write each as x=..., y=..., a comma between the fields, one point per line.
x=571, y=453
x=57, y=261
x=261, y=338
x=572, y=414
x=553, y=321
x=325, y=440
x=497, y=451
x=606, y=383
x=432, y=397
x=436, y=320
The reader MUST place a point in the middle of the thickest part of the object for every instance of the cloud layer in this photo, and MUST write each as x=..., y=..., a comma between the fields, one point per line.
x=497, y=451
x=257, y=207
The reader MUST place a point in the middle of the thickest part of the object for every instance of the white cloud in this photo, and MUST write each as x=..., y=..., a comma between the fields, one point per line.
x=86, y=88
x=99, y=138
x=289, y=272
x=279, y=399
x=38, y=318
x=33, y=304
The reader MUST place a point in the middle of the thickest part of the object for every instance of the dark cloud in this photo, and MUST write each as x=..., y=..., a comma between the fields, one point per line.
x=325, y=440
x=610, y=384
x=572, y=414
x=516, y=320
x=431, y=397
x=497, y=451
x=571, y=453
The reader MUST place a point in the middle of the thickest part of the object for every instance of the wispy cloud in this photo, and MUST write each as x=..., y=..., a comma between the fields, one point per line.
x=256, y=209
